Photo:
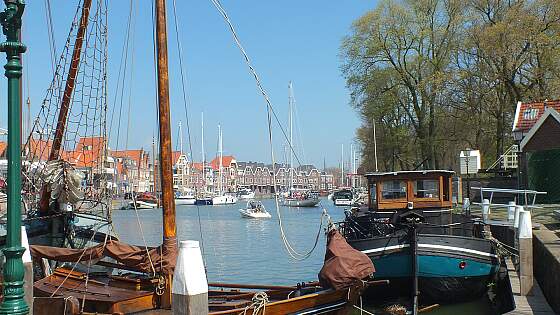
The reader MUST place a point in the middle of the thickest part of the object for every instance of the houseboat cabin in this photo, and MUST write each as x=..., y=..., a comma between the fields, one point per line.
x=409, y=190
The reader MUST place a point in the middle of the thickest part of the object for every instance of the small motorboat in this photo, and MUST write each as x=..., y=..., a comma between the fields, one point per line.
x=255, y=210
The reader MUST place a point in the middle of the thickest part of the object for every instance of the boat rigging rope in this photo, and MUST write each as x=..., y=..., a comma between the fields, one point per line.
x=259, y=301
x=142, y=233
x=52, y=44
x=224, y=14
x=80, y=259
x=186, y=102
x=270, y=113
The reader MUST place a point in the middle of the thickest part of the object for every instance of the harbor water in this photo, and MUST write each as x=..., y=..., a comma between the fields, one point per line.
x=251, y=251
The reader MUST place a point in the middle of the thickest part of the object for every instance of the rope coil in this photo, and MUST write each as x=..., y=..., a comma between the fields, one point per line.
x=259, y=301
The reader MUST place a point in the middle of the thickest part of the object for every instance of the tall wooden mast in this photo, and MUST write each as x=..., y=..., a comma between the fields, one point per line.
x=66, y=97
x=168, y=201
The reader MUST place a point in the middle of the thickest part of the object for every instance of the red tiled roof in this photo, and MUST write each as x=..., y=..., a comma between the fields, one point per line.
x=197, y=166
x=135, y=155
x=87, y=153
x=527, y=114
x=175, y=157
x=226, y=162
x=39, y=149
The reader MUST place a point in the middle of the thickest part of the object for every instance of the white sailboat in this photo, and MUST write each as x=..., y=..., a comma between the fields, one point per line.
x=203, y=198
x=184, y=196
x=222, y=198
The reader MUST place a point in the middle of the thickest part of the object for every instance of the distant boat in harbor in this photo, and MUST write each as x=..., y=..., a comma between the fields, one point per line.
x=300, y=198
x=222, y=198
x=343, y=197
x=185, y=198
x=246, y=193
x=255, y=210
x=144, y=201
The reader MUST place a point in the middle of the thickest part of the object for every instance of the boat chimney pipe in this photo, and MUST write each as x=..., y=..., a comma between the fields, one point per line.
x=190, y=286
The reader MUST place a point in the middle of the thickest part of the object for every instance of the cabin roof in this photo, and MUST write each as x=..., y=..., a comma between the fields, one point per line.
x=409, y=173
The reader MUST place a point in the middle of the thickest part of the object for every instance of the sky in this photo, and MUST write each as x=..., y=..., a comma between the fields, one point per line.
x=288, y=40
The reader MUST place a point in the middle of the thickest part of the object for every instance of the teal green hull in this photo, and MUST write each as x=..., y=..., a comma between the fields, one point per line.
x=399, y=265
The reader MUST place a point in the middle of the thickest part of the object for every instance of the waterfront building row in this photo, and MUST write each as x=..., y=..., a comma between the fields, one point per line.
x=125, y=171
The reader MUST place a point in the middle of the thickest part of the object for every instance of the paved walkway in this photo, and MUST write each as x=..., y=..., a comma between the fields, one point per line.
x=527, y=305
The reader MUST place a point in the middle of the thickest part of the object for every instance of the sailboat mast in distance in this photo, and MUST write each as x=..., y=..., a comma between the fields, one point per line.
x=221, y=156
x=203, y=154
x=291, y=147
x=168, y=201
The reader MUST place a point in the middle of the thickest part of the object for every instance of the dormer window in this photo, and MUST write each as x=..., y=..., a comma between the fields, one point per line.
x=530, y=113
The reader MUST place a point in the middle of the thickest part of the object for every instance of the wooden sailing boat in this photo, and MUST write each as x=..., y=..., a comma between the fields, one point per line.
x=296, y=197
x=149, y=287
x=63, y=154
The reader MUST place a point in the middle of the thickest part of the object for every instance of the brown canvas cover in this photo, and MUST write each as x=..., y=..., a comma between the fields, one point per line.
x=162, y=257
x=343, y=265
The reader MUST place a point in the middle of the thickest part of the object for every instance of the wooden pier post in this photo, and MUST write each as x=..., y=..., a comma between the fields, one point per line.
x=525, y=241
x=190, y=286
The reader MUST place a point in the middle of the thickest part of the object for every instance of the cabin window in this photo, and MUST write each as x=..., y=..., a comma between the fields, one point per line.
x=426, y=188
x=393, y=189
x=446, y=190
x=373, y=195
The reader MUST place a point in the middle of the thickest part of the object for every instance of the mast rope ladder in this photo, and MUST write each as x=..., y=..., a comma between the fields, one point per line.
x=78, y=86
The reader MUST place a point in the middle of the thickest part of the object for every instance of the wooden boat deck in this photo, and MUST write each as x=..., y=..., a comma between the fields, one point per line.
x=527, y=305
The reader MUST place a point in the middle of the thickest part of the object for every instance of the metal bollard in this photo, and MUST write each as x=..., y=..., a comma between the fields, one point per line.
x=190, y=286
x=511, y=211
x=485, y=210
x=466, y=205
x=525, y=253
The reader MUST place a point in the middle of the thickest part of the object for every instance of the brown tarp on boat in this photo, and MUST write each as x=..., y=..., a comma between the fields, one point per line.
x=162, y=257
x=343, y=265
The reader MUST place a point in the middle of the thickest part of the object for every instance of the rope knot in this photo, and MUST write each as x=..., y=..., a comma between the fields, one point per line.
x=259, y=301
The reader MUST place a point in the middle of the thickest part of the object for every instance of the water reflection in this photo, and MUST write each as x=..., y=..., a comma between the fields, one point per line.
x=242, y=250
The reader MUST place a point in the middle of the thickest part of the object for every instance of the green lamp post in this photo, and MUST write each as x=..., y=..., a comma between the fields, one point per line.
x=13, y=302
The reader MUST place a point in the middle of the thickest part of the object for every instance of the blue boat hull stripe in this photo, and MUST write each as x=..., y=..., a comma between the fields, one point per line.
x=432, y=246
